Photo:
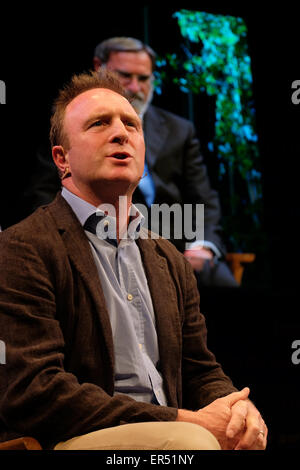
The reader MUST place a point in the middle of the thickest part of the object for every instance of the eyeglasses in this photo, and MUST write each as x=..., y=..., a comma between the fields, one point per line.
x=128, y=77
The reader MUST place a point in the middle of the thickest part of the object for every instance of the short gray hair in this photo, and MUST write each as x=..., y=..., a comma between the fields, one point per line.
x=122, y=44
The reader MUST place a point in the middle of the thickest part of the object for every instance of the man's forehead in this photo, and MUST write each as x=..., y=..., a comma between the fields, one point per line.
x=130, y=59
x=98, y=98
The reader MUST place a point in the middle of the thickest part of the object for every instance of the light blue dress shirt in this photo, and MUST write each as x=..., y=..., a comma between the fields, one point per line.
x=147, y=186
x=130, y=308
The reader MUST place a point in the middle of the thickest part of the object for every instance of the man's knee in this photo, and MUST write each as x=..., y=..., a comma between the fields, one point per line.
x=189, y=436
x=164, y=435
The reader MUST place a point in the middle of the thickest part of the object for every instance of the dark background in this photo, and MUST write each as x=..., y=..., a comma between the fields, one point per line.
x=250, y=329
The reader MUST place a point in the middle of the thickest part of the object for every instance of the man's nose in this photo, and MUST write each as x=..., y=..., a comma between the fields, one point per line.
x=119, y=133
x=134, y=85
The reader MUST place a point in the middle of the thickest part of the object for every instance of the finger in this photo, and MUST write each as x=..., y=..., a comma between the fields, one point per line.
x=236, y=396
x=261, y=442
x=196, y=253
x=255, y=437
x=238, y=419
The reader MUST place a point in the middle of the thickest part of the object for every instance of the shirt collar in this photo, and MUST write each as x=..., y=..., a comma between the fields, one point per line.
x=84, y=209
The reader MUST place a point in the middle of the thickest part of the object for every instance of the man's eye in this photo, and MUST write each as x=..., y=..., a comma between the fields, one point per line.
x=124, y=74
x=97, y=123
x=143, y=78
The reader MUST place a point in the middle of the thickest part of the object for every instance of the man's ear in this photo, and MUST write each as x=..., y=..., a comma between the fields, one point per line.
x=60, y=158
x=97, y=63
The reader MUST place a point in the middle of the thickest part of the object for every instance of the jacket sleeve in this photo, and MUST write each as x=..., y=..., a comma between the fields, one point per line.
x=38, y=396
x=203, y=378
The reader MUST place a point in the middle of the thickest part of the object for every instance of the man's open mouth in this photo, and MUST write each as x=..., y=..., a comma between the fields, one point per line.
x=120, y=156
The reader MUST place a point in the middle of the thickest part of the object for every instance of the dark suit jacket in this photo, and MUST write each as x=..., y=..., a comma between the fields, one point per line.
x=178, y=170
x=58, y=380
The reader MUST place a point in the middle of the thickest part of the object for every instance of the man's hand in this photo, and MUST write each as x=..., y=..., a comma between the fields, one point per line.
x=198, y=256
x=247, y=425
x=233, y=420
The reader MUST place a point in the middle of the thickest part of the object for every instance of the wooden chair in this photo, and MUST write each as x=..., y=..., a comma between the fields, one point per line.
x=22, y=443
x=236, y=263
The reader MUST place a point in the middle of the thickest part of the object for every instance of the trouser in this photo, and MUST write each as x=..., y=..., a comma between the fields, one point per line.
x=145, y=436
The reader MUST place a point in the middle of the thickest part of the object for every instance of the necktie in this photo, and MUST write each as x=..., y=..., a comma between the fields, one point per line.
x=100, y=225
x=105, y=228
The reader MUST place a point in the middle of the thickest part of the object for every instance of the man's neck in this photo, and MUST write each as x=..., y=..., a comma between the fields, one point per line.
x=112, y=203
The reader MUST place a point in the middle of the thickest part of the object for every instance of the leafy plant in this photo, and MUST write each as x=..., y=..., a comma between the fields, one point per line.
x=215, y=61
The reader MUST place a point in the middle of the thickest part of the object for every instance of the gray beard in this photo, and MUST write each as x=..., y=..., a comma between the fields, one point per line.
x=141, y=106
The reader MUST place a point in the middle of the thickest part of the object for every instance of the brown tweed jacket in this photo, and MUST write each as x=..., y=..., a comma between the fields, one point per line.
x=58, y=379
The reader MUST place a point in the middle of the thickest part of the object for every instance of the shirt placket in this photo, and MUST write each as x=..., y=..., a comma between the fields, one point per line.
x=130, y=291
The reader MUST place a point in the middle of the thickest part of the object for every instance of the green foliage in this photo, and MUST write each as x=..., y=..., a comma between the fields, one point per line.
x=216, y=62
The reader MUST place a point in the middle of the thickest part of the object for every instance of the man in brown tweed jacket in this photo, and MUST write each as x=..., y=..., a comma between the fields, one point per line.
x=105, y=344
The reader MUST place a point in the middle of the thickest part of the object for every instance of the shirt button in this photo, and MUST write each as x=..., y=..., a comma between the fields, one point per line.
x=129, y=297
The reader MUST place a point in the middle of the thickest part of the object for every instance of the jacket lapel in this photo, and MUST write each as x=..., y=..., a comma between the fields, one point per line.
x=80, y=254
x=165, y=304
x=155, y=131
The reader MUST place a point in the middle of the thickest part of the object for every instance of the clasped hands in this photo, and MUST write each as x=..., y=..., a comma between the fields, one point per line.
x=198, y=256
x=233, y=420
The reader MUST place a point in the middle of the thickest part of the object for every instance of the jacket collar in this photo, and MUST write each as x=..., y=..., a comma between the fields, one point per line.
x=155, y=131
